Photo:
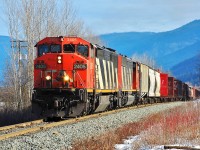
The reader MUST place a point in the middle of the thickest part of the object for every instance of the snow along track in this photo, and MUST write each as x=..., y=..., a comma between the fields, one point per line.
x=62, y=137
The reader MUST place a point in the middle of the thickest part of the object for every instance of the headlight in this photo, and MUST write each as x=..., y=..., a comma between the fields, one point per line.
x=48, y=77
x=59, y=59
x=66, y=78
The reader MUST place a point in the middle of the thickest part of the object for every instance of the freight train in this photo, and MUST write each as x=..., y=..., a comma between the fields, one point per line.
x=73, y=77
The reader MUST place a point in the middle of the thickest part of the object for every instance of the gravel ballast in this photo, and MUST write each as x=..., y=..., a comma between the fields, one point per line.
x=62, y=137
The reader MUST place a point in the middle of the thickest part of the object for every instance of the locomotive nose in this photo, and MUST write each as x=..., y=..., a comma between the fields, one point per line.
x=63, y=76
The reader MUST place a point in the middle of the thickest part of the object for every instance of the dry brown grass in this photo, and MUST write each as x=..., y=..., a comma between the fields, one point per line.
x=179, y=126
x=170, y=127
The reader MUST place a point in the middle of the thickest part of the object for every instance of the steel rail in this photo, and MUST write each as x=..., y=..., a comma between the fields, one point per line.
x=21, y=125
x=181, y=147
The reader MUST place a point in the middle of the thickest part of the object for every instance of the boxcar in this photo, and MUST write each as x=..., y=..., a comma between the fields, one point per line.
x=191, y=93
x=171, y=88
x=185, y=92
x=157, y=86
x=163, y=86
x=144, y=81
x=136, y=76
x=136, y=81
x=195, y=92
x=152, y=83
x=178, y=89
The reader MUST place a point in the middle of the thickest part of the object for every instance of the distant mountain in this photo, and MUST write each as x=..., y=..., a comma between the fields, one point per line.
x=188, y=70
x=167, y=48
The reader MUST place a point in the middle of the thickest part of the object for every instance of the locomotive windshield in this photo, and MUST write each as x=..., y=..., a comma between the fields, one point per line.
x=55, y=48
x=43, y=49
x=81, y=49
x=69, y=48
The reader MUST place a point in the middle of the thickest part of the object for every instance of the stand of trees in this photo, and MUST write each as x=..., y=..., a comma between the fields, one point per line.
x=145, y=59
x=30, y=21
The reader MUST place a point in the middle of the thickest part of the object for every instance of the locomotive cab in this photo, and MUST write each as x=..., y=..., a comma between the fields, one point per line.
x=63, y=72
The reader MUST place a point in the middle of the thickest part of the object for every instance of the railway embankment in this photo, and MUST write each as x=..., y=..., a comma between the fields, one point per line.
x=63, y=137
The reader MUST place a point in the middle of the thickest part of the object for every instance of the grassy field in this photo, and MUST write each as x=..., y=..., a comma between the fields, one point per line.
x=179, y=125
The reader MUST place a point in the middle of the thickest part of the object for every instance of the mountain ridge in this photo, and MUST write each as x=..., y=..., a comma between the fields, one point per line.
x=168, y=48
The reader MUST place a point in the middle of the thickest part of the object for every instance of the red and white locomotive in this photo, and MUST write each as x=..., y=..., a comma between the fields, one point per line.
x=73, y=77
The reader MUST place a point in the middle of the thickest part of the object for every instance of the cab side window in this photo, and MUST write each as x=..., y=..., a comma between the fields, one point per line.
x=43, y=49
x=83, y=50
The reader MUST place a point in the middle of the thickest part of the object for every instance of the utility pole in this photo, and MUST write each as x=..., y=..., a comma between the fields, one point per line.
x=18, y=45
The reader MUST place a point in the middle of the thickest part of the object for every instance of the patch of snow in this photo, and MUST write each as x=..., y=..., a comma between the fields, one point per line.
x=127, y=143
x=158, y=147
x=123, y=147
x=197, y=101
x=197, y=146
x=132, y=139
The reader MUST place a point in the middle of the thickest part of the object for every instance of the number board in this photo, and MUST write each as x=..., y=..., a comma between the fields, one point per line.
x=80, y=66
x=40, y=66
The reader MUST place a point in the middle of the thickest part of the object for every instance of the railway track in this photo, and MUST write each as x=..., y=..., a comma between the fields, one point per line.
x=18, y=129
x=38, y=125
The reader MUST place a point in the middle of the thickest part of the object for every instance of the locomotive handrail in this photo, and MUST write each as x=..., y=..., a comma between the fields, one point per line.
x=80, y=79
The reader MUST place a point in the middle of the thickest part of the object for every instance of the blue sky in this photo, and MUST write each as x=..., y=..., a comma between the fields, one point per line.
x=107, y=16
